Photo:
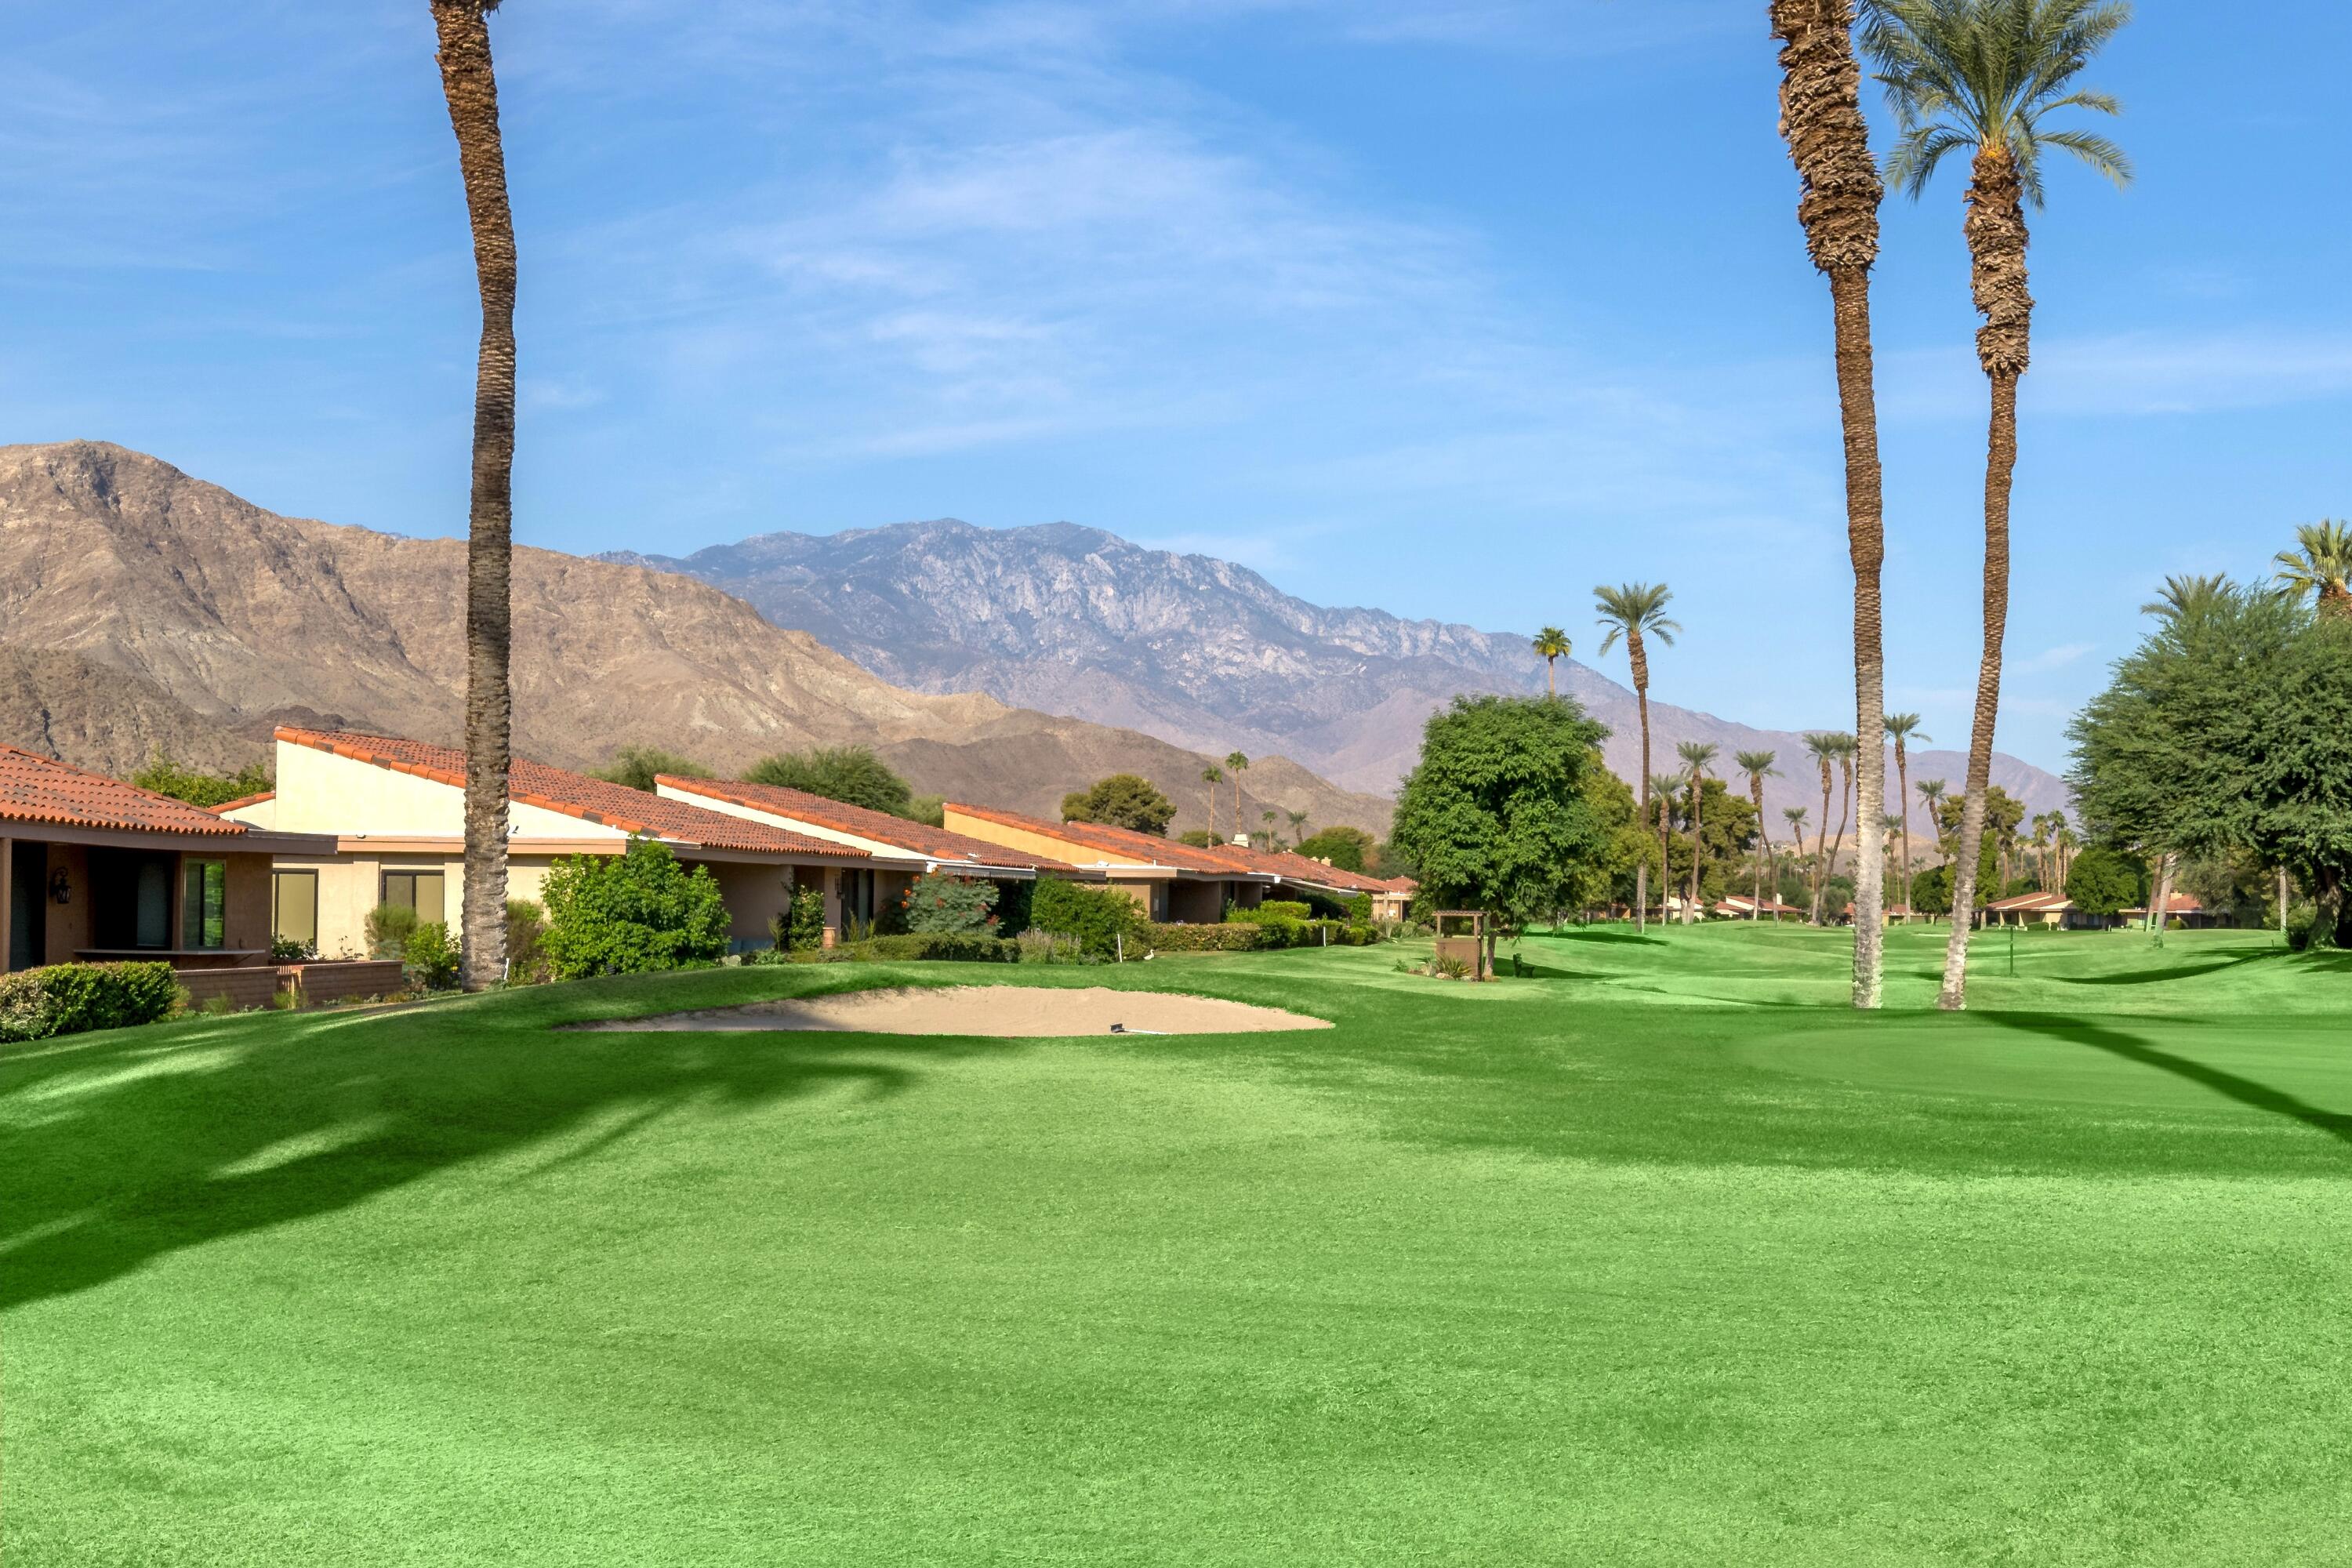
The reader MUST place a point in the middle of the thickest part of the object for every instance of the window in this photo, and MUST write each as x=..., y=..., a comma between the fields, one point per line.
x=294, y=906
x=204, y=905
x=418, y=890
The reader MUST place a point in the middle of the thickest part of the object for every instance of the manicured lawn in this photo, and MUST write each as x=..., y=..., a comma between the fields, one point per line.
x=1657, y=1258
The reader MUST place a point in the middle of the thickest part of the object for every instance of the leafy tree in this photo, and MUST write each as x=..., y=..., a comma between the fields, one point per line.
x=1199, y=838
x=165, y=776
x=1122, y=800
x=853, y=775
x=2230, y=730
x=635, y=766
x=2103, y=881
x=1349, y=849
x=1494, y=814
x=802, y=927
x=632, y=913
x=1931, y=891
x=1981, y=77
x=936, y=902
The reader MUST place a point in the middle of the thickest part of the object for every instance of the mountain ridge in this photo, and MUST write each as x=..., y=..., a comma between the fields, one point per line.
x=141, y=607
x=1204, y=653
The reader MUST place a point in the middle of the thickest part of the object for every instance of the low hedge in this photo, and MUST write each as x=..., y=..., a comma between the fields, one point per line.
x=1273, y=911
x=942, y=946
x=70, y=998
x=1238, y=937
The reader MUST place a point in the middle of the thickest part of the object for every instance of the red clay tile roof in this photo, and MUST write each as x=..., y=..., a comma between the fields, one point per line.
x=1297, y=869
x=915, y=837
x=1125, y=845
x=2031, y=902
x=225, y=807
x=576, y=795
x=2177, y=904
x=35, y=788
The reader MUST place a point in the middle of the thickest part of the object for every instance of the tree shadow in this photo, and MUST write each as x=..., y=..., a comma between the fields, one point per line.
x=2178, y=971
x=1625, y=938
x=128, y=1146
x=2131, y=1048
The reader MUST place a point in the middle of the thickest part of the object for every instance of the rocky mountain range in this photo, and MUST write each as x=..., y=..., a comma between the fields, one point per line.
x=1203, y=653
x=140, y=607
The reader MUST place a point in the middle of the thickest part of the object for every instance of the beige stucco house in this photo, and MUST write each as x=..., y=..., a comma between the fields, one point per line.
x=390, y=814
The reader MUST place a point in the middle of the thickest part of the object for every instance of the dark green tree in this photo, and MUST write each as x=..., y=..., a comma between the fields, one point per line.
x=1349, y=849
x=1122, y=800
x=165, y=776
x=2103, y=881
x=636, y=766
x=1495, y=815
x=851, y=774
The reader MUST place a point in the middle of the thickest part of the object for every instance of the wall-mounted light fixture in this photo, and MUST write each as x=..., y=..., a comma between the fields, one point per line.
x=61, y=887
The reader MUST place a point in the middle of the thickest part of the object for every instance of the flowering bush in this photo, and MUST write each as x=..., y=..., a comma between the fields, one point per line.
x=959, y=906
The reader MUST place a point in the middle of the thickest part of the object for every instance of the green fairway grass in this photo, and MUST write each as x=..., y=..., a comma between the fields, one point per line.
x=1658, y=1255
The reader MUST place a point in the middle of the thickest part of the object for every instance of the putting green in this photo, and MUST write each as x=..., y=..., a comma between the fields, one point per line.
x=1540, y=1272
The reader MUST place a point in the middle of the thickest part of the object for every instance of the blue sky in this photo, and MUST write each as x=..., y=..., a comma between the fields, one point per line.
x=1455, y=310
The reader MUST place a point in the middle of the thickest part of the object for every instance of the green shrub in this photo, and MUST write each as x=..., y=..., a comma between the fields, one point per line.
x=936, y=946
x=631, y=913
x=1272, y=911
x=388, y=927
x=430, y=957
x=801, y=929
x=1044, y=947
x=70, y=998
x=287, y=950
x=937, y=901
x=527, y=961
x=1099, y=917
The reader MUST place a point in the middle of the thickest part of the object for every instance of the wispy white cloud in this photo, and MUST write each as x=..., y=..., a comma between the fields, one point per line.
x=2052, y=658
x=2133, y=375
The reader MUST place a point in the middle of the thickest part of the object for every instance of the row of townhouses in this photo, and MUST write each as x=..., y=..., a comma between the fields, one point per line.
x=98, y=869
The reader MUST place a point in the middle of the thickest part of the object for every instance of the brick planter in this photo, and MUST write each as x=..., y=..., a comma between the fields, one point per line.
x=255, y=986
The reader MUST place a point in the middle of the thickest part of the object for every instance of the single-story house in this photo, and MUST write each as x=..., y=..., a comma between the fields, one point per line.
x=1300, y=873
x=1744, y=906
x=901, y=850
x=392, y=815
x=1172, y=881
x=97, y=871
x=2190, y=912
x=2055, y=910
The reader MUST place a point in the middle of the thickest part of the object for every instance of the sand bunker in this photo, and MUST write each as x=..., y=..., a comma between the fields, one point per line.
x=1017, y=1010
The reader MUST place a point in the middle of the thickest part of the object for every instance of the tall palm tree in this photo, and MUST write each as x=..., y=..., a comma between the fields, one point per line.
x=2320, y=563
x=1821, y=116
x=1758, y=767
x=1297, y=820
x=2186, y=598
x=1696, y=756
x=1932, y=791
x=1636, y=612
x=1552, y=644
x=1845, y=754
x=1903, y=729
x=1274, y=839
x=1237, y=764
x=1213, y=775
x=1823, y=749
x=1795, y=815
x=1982, y=75
x=470, y=84
x=1662, y=791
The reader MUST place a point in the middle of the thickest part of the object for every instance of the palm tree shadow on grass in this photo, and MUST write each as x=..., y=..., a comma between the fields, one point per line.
x=148, y=1142
x=2178, y=971
x=2131, y=1048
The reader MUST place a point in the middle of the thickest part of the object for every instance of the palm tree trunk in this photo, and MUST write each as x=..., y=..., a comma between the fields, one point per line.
x=470, y=82
x=1903, y=784
x=2161, y=909
x=2003, y=449
x=1698, y=807
x=1763, y=845
x=1866, y=544
x=1997, y=238
x=1837, y=846
x=1642, y=700
x=1820, y=850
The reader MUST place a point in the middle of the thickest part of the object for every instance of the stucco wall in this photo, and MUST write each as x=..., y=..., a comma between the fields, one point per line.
x=319, y=792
